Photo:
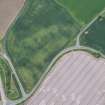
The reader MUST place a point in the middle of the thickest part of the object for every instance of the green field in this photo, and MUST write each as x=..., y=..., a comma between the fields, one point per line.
x=41, y=31
x=96, y=36
x=9, y=82
x=83, y=10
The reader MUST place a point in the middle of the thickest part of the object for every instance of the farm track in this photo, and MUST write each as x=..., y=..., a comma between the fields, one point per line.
x=14, y=72
x=85, y=28
x=77, y=46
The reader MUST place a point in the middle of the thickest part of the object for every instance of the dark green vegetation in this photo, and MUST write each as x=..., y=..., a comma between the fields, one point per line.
x=41, y=31
x=83, y=10
x=96, y=35
x=10, y=85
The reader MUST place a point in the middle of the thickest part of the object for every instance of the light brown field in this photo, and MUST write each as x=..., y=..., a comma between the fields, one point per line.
x=77, y=79
x=8, y=11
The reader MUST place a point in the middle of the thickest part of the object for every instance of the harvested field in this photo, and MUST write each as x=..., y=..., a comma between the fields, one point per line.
x=76, y=79
x=8, y=11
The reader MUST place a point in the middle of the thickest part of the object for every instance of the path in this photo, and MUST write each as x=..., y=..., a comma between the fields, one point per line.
x=64, y=51
x=84, y=29
x=16, y=76
x=3, y=97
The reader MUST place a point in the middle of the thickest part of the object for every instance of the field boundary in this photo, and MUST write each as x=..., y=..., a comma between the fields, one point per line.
x=76, y=47
x=70, y=13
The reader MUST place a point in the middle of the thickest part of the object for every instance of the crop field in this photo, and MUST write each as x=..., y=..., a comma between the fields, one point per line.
x=9, y=82
x=85, y=82
x=41, y=31
x=83, y=10
x=8, y=11
x=95, y=38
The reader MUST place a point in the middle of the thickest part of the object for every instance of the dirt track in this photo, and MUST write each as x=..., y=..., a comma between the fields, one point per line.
x=8, y=11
